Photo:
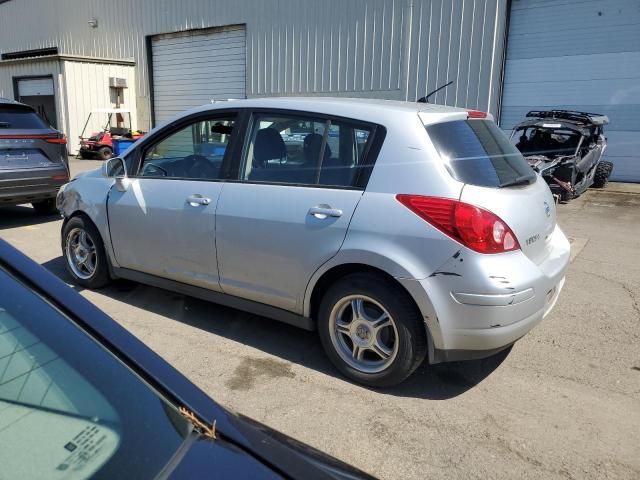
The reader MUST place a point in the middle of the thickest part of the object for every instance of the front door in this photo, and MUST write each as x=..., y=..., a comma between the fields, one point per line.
x=164, y=223
x=289, y=212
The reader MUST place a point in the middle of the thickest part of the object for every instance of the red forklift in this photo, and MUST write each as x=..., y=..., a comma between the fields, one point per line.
x=100, y=144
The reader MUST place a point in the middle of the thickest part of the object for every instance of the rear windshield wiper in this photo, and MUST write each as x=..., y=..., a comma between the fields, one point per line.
x=5, y=125
x=521, y=180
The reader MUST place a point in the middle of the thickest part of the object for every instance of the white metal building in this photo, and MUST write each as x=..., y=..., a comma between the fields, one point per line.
x=504, y=56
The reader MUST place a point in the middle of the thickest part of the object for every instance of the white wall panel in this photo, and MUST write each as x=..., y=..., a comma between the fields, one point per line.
x=86, y=88
x=11, y=70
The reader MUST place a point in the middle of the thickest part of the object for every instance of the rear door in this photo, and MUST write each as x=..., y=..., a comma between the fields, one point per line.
x=164, y=223
x=300, y=180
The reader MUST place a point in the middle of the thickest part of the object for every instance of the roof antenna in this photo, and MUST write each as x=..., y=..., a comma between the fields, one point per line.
x=425, y=99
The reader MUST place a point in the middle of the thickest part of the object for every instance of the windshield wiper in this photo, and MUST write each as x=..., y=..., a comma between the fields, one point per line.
x=5, y=125
x=521, y=180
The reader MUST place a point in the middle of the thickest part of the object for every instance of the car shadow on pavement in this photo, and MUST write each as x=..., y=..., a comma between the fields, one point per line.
x=434, y=382
x=22, y=216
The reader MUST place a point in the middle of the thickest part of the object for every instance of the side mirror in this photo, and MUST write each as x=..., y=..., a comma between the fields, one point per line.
x=116, y=168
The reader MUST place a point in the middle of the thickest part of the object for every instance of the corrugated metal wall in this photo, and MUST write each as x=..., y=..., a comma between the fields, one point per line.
x=394, y=49
x=86, y=86
x=553, y=64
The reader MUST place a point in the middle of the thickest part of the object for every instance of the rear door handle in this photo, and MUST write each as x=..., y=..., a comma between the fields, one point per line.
x=324, y=211
x=197, y=199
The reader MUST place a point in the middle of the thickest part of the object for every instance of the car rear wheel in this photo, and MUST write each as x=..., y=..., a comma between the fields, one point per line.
x=371, y=330
x=105, y=153
x=45, y=207
x=84, y=253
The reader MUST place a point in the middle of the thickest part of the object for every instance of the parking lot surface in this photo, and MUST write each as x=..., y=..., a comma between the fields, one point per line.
x=564, y=403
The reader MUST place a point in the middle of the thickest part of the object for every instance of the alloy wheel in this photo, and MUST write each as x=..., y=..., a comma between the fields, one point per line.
x=363, y=333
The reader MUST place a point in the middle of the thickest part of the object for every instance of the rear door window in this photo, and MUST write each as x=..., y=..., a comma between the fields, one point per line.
x=20, y=118
x=305, y=150
x=477, y=152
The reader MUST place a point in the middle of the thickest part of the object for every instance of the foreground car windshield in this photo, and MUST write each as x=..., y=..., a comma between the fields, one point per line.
x=478, y=153
x=68, y=408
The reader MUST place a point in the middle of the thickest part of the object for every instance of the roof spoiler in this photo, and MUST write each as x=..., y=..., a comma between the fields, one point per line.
x=582, y=117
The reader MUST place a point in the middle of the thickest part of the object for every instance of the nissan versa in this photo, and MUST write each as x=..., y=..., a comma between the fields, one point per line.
x=399, y=230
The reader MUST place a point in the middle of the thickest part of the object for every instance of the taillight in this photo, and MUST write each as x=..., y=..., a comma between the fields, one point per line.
x=59, y=139
x=472, y=226
x=476, y=114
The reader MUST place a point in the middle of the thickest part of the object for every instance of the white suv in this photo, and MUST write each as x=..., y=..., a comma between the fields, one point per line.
x=399, y=230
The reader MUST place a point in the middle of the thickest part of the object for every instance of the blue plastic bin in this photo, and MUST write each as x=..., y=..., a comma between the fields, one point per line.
x=120, y=145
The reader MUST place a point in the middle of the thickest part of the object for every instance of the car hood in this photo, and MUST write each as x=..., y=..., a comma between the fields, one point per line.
x=96, y=172
x=200, y=456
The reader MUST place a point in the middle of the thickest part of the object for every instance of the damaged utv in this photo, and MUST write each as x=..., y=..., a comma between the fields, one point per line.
x=566, y=149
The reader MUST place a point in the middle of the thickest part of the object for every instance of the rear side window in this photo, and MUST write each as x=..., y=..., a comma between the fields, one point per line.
x=477, y=152
x=18, y=118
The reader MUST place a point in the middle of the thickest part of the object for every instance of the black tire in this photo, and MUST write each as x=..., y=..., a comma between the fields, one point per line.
x=412, y=346
x=105, y=153
x=565, y=196
x=100, y=276
x=86, y=154
x=601, y=177
x=45, y=207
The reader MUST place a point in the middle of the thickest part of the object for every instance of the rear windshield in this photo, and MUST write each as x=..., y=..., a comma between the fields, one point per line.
x=18, y=118
x=477, y=152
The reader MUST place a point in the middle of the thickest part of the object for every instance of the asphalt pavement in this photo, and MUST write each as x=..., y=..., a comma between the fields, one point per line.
x=563, y=404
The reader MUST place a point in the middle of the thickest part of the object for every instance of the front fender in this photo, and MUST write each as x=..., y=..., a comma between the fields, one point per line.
x=88, y=194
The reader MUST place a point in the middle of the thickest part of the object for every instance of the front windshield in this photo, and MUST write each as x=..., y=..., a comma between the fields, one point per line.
x=68, y=408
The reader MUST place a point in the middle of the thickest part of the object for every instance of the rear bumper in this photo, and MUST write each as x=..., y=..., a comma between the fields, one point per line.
x=485, y=303
x=31, y=185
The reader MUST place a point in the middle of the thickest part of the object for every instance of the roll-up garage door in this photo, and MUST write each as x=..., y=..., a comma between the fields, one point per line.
x=32, y=87
x=581, y=56
x=194, y=67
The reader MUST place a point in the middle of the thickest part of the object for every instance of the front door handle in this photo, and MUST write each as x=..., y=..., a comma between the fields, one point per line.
x=324, y=211
x=197, y=199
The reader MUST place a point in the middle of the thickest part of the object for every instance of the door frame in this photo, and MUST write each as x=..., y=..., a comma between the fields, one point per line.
x=230, y=161
x=16, y=90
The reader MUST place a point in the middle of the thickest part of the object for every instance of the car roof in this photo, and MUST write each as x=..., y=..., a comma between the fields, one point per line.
x=367, y=109
x=8, y=101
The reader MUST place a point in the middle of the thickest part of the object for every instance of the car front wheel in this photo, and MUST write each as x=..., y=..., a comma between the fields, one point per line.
x=371, y=330
x=84, y=253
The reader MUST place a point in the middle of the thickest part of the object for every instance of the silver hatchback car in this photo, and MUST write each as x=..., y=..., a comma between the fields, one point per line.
x=398, y=230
